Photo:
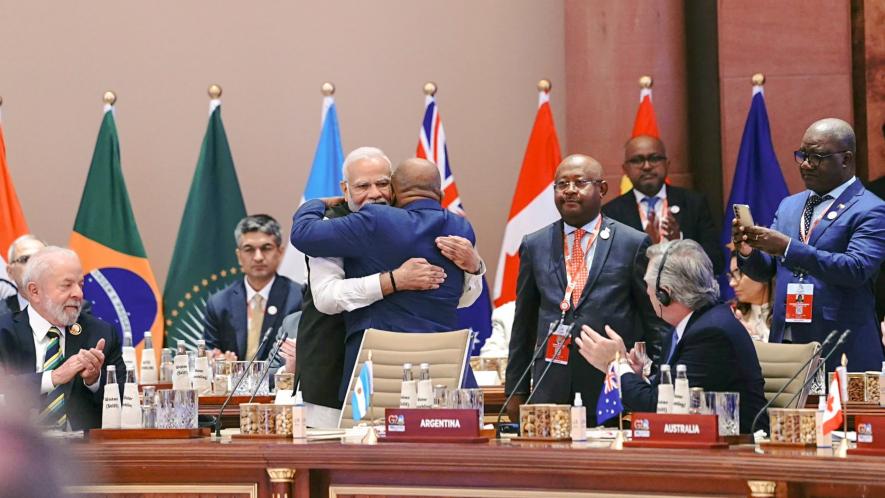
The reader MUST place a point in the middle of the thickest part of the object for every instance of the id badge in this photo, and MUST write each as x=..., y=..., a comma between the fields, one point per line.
x=560, y=340
x=799, y=299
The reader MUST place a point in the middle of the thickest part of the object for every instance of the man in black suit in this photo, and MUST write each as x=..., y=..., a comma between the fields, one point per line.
x=583, y=269
x=20, y=250
x=663, y=211
x=52, y=349
x=712, y=344
x=238, y=316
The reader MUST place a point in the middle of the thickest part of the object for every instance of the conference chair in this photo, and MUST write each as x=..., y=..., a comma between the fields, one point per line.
x=446, y=352
x=779, y=362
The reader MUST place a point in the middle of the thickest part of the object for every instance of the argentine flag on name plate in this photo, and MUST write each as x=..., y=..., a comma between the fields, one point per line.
x=362, y=392
x=324, y=181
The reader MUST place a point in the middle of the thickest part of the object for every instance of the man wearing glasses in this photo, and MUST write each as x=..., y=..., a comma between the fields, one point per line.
x=663, y=211
x=825, y=247
x=585, y=269
x=20, y=251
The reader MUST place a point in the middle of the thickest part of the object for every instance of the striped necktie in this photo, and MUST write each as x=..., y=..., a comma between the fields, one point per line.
x=53, y=414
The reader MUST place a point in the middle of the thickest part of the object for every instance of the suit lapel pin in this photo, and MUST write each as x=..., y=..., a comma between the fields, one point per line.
x=272, y=310
x=841, y=206
x=674, y=209
x=831, y=215
x=605, y=233
x=75, y=329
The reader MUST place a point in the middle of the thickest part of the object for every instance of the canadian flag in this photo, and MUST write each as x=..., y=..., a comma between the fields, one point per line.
x=532, y=207
x=833, y=414
x=646, y=123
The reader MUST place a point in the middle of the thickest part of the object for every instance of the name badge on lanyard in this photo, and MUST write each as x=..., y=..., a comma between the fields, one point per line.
x=800, y=296
x=559, y=344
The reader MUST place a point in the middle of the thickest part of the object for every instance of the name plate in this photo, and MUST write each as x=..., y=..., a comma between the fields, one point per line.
x=870, y=431
x=429, y=423
x=676, y=430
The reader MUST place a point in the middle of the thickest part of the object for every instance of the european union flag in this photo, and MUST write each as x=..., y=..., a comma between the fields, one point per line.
x=758, y=180
x=609, y=403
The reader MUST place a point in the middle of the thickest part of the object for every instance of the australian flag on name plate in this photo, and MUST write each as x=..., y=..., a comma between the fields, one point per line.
x=609, y=403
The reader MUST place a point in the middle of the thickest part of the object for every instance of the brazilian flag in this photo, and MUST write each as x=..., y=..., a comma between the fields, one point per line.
x=204, y=260
x=118, y=280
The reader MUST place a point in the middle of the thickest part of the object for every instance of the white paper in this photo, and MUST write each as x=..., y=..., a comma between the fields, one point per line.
x=110, y=408
x=148, y=373
x=130, y=413
x=181, y=378
x=202, y=382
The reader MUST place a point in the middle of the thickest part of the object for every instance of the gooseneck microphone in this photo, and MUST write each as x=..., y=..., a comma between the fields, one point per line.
x=278, y=343
x=835, y=348
x=525, y=372
x=801, y=369
x=239, y=381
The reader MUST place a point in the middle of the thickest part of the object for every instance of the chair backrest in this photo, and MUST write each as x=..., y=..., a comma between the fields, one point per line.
x=779, y=362
x=445, y=351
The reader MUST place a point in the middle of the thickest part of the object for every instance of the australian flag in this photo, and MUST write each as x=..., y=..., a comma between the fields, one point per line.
x=432, y=146
x=609, y=403
x=758, y=180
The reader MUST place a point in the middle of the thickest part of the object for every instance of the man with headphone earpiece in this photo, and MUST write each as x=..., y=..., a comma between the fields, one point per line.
x=713, y=345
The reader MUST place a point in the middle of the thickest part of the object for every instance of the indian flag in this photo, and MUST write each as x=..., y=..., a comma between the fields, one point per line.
x=119, y=282
x=12, y=221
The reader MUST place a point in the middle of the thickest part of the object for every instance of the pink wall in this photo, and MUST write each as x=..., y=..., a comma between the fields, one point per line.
x=804, y=49
x=608, y=46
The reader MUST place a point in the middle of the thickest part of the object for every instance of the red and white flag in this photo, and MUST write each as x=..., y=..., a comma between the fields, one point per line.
x=532, y=207
x=645, y=123
x=12, y=220
x=833, y=414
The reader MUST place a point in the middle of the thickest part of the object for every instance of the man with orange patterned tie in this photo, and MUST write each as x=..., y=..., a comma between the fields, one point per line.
x=583, y=269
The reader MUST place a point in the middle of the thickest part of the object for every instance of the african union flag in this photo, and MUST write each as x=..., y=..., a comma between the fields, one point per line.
x=204, y=260
x=118, y=280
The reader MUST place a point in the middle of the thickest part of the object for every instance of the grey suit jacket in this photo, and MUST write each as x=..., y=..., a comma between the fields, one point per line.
x=615, y=295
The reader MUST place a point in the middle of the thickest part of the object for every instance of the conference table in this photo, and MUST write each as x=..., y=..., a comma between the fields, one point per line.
x=285, y=468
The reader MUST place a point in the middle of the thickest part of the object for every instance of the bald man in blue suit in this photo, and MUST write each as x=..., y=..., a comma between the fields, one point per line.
x=831, y=236
x=378, y=238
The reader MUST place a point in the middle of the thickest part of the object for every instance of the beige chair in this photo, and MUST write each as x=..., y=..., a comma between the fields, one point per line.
x=779, y=362
x=445, y=351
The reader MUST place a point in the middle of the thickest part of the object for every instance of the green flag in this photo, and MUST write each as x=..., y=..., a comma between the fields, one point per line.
x=204, y=260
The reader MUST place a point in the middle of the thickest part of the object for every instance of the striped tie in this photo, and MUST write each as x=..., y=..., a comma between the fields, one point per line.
x=53, y=414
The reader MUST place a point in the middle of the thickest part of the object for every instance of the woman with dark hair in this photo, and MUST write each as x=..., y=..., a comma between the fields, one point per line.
x=752, y=303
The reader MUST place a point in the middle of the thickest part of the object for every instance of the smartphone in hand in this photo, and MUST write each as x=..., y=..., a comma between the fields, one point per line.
x=742, y=213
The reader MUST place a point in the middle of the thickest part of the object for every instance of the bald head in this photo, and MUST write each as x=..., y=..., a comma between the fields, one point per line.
x=590, y=166
x=578, y=189
x=830, y=146
x=646, y=164
x=414, y=179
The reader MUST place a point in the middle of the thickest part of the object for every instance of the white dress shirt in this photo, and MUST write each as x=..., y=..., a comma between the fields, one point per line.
x=22, y=302
x=659, y=207
x=333, y=293
x=40, y=328
x=250, y=293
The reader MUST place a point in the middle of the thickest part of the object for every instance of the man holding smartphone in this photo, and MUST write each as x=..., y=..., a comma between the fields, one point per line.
x=825, y=246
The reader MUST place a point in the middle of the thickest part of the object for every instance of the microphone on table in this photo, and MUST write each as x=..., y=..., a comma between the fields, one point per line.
x=801, y=369
x=525, y=372
x=841, y=341
x=239, y=381
x=281, y=336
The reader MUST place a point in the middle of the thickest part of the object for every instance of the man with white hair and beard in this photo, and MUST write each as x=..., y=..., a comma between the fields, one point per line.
x=52, y=350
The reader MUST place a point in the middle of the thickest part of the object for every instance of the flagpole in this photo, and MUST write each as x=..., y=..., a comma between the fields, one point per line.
x=842, y=451
x=618, y=443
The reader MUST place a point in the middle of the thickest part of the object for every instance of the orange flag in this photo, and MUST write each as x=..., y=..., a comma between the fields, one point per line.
x=532, y=207
x=645, y=123
x=12, y=220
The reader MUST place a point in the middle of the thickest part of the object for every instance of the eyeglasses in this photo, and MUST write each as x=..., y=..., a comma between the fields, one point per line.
x=580, y=184
x=652, y=159
x=363, y=187
x=20, y=260
x=813, y=159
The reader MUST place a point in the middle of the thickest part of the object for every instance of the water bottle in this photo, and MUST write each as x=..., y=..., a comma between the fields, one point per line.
x=665, y=390
x=182, y=377
x=202, y=376
x=579, y=419
x=110, y=412
x=425, y=387
x=408, y=397
x=130, y=413
x=129, y=353
x=149, y=374
x=680, y=391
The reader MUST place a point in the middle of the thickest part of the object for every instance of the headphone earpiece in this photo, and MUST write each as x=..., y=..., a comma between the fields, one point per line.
x=662, y=294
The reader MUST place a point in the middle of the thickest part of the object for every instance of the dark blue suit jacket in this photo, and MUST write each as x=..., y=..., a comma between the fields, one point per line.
x=226, y=317
x=379, y=238
x=615, y=295
x=718, y=354
x=841, y=259
x=18, y=360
